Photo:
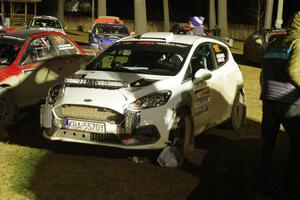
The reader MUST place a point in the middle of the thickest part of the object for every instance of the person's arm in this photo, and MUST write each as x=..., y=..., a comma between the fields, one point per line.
x=294, y=63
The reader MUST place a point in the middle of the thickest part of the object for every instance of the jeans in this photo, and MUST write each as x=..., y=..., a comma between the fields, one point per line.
x=274, y=114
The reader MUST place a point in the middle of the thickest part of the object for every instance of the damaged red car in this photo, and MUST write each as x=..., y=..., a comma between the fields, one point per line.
x=30, y=62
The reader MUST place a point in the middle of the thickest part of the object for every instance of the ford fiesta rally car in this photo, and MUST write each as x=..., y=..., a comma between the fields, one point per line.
x=146, y=92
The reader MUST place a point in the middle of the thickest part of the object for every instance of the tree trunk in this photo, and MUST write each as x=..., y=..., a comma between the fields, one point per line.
x=258, y=15
x=222, y=17
x=212, y=14
x=101, y=8
x=269, y=13
x=166, y=15
x=140, y=16
x=279, y=20
x=61, y=10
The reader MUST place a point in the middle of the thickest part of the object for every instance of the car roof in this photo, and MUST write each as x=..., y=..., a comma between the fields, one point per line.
x=170, y=37
x=22, y=33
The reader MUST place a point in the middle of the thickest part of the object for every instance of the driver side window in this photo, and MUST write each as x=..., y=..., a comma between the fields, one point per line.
x=202, y=58
x=39, y=49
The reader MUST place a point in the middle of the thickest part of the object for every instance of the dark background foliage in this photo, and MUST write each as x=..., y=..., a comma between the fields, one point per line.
x=180, y=10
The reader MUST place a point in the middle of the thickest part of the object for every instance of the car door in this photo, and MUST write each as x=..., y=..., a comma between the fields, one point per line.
x=229, y=75
x=35, y=77
x=206, y=93
x=70, y=57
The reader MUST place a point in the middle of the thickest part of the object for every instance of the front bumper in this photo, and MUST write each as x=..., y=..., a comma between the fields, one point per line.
x=126, y=130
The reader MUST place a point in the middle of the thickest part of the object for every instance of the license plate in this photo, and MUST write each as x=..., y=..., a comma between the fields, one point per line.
x=85, y=126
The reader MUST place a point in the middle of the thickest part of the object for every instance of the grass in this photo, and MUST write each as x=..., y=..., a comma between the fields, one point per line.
x=223, y=167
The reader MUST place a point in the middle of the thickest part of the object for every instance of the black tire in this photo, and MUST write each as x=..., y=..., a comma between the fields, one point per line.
x=7, y=109
x=238, y=113
x=184, y=133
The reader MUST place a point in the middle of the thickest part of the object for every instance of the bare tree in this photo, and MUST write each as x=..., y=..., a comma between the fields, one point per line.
x=256, y=12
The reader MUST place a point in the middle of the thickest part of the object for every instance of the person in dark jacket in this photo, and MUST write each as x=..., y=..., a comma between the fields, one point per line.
x=280, y=95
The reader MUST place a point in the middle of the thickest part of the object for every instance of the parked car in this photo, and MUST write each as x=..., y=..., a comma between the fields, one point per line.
x=106, y=31
x=256, y=44
x=1, y=22
x=30, y=62
x=46, y=23
x=146, y=92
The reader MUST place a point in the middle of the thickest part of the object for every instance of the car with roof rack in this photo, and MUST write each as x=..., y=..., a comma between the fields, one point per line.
x=30, y=62
x=147, y=92
x=105, y=31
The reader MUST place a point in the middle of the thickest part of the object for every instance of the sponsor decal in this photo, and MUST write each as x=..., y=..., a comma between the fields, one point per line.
x=220, y=57
x=202, y=100
x=65, y=46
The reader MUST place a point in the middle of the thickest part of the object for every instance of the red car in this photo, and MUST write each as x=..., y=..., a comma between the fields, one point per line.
x=30, y=62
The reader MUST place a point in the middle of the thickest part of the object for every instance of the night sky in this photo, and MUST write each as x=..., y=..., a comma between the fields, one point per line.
x=181, y=10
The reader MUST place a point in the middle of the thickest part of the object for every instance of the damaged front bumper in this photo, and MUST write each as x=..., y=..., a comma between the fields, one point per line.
x=98, y=126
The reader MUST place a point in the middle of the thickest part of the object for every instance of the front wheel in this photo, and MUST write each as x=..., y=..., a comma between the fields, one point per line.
x=7, y=109
x=238, y=113
x=184, y=133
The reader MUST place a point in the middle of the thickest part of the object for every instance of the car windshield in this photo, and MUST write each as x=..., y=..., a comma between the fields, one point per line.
x=109, y=29
x=44, y=23
x=9, y=50
x=275, y=36
x=156, y=58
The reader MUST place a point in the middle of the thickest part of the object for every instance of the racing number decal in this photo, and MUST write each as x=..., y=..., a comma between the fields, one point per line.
x=202, y=100
x=216, y=48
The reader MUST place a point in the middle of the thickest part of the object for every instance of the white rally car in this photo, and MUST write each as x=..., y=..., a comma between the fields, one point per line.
x=146, y=92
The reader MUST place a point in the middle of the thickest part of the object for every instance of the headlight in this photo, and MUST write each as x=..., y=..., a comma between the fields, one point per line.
x=150, y=101
x=53, y=93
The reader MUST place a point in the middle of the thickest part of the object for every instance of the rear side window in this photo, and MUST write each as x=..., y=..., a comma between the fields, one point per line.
x=221, y=54
x=65, y=47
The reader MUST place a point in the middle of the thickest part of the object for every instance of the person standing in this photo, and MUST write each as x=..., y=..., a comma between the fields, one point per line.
x=280, y=95
x=196, y=25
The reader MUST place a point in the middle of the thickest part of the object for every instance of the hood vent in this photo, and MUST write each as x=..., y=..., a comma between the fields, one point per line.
x=94, y=83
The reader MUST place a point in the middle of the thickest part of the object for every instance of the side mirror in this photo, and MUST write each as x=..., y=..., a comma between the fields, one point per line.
x=202, y=75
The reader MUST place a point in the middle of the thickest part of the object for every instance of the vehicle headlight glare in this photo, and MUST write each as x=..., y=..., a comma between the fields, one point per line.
x=53, y=93
x=150, y=101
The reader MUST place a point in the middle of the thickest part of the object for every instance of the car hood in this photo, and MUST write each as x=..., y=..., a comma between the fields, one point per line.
x=110, y=89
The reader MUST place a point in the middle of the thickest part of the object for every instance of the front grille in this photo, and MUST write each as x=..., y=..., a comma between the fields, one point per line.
x=89, y=113
x=105, y=138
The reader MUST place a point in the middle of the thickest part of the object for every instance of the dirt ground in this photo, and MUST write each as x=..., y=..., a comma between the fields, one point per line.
x=223, y=166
